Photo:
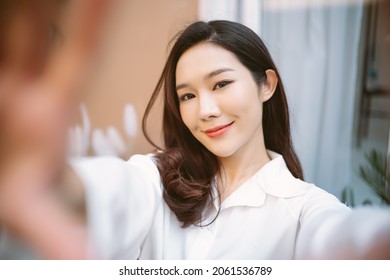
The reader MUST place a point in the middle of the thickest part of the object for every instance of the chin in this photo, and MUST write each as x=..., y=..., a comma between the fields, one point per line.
x=221, y=153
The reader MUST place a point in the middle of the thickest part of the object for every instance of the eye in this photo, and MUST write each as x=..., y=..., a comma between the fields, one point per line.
x=221, y=84
x=186, y=97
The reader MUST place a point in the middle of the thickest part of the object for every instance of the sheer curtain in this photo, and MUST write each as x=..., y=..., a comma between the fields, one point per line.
x=315, y=45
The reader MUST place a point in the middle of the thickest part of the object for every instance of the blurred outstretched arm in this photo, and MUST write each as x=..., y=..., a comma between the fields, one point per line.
x=35, y=111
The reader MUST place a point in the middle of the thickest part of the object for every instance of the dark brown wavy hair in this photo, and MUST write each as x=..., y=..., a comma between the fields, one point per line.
x=186, y=167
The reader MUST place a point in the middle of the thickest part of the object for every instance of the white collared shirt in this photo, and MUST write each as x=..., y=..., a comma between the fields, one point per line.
x=271, y=216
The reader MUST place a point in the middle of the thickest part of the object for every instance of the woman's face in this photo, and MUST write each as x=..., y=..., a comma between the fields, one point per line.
x=220, y=102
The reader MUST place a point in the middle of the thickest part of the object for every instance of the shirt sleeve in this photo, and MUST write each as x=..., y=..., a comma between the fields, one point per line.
x=122, y=198
x=331, y=230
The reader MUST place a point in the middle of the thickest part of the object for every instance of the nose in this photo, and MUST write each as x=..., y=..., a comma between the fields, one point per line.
x=208, y=106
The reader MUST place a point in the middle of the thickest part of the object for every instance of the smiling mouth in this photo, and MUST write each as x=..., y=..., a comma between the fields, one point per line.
x=217, y=131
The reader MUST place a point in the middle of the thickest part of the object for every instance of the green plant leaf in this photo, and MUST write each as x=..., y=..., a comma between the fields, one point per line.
x=374, y=174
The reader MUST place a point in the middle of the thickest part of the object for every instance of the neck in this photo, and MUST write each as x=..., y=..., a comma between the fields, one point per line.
x=236, y=169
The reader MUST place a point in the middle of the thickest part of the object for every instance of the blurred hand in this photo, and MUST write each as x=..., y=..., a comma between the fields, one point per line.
x=34, y=116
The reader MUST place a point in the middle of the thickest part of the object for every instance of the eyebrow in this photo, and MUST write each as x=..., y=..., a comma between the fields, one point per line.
x=208, y=76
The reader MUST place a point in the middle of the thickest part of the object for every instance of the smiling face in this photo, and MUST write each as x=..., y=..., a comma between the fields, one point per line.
x=220, y=102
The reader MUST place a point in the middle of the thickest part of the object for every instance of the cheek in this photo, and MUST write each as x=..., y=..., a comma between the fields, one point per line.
x=239, y=106
x=242, y=98
x=247, y=110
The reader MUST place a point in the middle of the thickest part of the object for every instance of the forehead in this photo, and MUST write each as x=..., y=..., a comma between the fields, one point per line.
x=204, y=58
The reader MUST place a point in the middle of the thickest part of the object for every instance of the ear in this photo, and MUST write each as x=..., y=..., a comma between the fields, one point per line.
x=268, y=88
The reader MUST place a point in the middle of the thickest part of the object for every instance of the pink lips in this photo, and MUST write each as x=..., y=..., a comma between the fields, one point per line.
x=217, y=131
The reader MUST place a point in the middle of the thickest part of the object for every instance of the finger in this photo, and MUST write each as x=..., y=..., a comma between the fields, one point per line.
x=83, y=24
x=83, y=21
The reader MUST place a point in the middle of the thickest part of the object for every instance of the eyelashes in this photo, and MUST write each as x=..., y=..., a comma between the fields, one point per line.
x=217, y=86
x=186, y=97
x=222, y=84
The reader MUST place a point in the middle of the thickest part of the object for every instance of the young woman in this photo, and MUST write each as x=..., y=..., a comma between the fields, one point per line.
x=227, y=184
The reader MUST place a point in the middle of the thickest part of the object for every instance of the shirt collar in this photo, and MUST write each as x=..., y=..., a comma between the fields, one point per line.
x=274, y=179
